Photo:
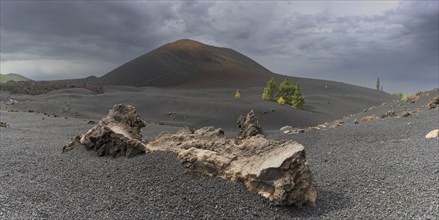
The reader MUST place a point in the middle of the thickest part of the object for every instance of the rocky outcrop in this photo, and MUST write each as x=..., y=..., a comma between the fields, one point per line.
x=277, y=170
x=118, y=134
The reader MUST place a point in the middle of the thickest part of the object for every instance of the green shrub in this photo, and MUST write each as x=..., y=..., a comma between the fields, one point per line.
x=286, y=89
x=270, y=91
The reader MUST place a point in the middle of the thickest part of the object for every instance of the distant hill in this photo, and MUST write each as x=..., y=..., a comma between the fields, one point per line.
x=188, y=63
x=12, y=77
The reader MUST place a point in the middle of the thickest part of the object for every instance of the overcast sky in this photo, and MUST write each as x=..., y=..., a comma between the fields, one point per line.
x=347, y=41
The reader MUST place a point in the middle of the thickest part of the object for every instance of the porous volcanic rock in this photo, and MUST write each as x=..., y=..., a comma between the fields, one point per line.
x=277, y=170
x=118, y=134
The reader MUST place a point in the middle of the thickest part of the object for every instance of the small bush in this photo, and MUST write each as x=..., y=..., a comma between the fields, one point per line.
x=281, y=101
x=402, y=96
x=237, y=95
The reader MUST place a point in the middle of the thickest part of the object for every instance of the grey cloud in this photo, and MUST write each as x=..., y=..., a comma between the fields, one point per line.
x=398, y=44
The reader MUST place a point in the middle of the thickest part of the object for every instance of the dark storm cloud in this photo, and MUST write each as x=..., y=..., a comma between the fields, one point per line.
x=398, y=45
x=72, y=29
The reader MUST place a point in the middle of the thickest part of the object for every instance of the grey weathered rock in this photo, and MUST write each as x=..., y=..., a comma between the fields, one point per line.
x=277, y=170
x=433, y=103
x=118, y=134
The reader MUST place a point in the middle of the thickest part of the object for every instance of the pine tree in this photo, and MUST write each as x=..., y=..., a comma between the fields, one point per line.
x=286, y=89
x=237, y=95
x=378, y=84
x=270, y=91
x=297, y=99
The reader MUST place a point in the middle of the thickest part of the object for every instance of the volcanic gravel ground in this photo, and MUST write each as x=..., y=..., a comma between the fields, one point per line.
x=382, y=169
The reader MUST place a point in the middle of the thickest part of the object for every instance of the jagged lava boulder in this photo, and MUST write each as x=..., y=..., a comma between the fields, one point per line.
x=277, y=170
x=118, y=134
x=248, y=125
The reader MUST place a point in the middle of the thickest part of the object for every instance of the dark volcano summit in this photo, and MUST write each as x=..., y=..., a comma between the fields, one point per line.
x=188, y=63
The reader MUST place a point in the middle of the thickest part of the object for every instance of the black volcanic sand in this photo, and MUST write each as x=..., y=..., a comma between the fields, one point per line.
x=325, y=101
x=378, y=169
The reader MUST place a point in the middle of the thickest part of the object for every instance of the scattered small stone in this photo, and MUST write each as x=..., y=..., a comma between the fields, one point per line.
x=356, y=121
x=432, y=134
x=337, y=124
x=388, y=114
x=369, y=118
x=285, y=128
x=406, y=114
x=170, y=114
x=29, y=110
x=3, y=124
x=91, y=122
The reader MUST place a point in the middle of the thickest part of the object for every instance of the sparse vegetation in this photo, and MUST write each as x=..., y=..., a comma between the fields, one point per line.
x=287, y=93
x=11, y=77
x=237, y=94
x=402, y=96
